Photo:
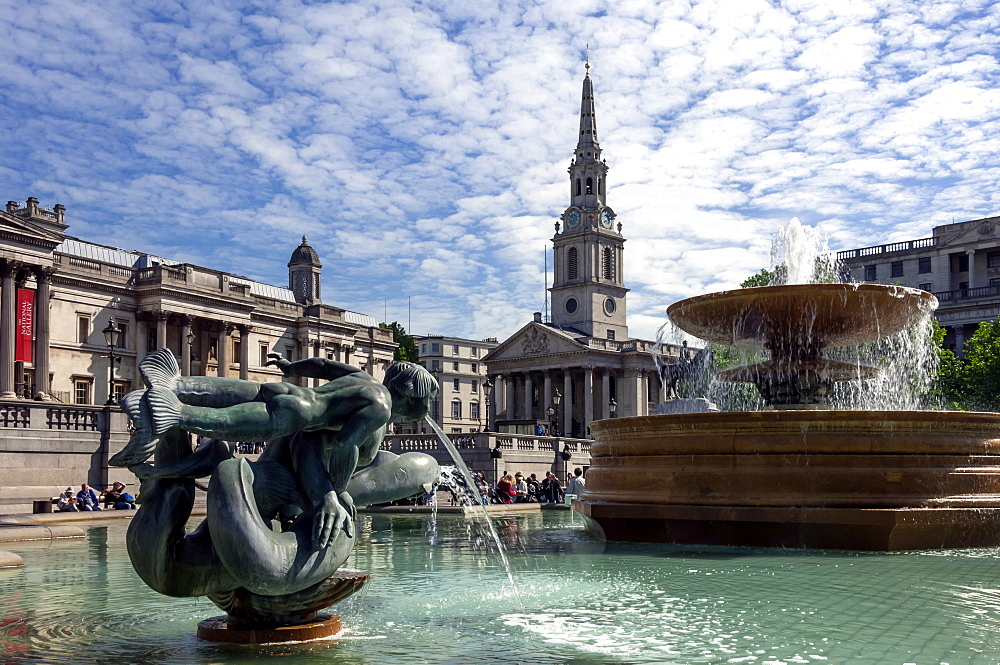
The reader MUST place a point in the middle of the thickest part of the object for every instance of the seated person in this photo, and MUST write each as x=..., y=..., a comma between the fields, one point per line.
x=118, y=498
x=520, y=488
x=67, y=502
x=87, y=498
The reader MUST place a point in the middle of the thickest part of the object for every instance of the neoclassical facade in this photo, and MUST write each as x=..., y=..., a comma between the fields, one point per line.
x=582, y=364
x=959, y=263
x=59, y=292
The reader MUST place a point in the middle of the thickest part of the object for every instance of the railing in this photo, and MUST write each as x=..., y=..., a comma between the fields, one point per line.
x=886, y=249
x=14, y=416
x=485, y=441
x=968, y=294
x=68, y=418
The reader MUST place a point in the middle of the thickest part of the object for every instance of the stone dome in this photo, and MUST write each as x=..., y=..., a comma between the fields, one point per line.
x=304, y=255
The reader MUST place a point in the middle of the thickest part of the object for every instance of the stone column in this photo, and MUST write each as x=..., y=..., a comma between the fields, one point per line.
x=509, y=394
x=8, y=321
x=588, y=397
x=244, y=351
x=185, y=345
x=141, y=335
x=971, y=253
x=224, y=349
x=606, y=394
x=529, y=392
x=566, y=421
x=959, y=340
x=546, y=391
x=161, y=329
x=43, y=278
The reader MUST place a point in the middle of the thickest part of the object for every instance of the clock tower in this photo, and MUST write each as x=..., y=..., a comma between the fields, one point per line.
x=588, y=293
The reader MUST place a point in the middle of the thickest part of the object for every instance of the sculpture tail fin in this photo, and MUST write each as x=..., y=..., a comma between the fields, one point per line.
x=159, y=370
x=164, y=408
x=142, y=444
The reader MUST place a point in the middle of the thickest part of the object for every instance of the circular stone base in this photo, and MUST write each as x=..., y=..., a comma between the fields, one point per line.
x=217, y=629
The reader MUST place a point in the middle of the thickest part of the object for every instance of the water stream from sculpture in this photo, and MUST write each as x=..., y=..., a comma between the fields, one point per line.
x=471, y=484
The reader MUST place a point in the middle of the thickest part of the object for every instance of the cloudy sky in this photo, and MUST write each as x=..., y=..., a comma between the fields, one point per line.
x=423, y=146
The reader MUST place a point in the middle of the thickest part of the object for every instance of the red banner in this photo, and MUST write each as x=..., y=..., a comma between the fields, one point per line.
x=25, y=327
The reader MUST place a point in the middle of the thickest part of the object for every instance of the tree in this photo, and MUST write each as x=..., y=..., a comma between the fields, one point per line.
x=406, y=348
x=978, y=379
x=764, y=278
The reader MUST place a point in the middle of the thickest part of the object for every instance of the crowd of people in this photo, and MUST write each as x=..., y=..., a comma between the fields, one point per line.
x=528, y=489
x=87, y=499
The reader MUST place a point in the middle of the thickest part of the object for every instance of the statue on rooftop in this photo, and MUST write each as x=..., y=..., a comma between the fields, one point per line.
x=278, y=529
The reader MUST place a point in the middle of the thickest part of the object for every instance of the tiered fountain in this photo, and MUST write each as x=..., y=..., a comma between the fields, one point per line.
x=799, y=474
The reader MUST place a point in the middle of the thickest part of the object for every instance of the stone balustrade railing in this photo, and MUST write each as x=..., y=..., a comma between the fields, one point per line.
x=484, y=441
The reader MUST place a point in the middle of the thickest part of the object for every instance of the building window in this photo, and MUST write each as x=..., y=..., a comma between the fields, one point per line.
x=454, y=367
x=474, y=411
x=572, y=263
x=924, y=265
x=455, y=385
x=263, y=354
x=435, y=410
x=454, y=349
x=611, y=334
x=150, y=339
x=423, y=349
x=82, y=333
x=963, y=263
x=237, y=350
x=609, y=263
x=571, y=305
x=475, y=386
x=122, y=388
x=474, y=352
x=896, y=269
x=992, y=259
x=288, y=352
x=926, y=286
x=81, y=391
x=590, y=185
x=475, y=368
x=578, y=187
x=870, y=273
x=435, y=349
x=435, y=365
x=456, y=410
x=123, y=335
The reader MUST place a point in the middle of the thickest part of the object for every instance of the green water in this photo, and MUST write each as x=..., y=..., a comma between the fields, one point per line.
x=437, y=596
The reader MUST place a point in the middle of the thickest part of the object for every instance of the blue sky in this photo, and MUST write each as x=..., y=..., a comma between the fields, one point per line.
x=423, y=146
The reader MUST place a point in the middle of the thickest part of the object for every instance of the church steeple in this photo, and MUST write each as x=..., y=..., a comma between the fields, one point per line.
x=588, y=292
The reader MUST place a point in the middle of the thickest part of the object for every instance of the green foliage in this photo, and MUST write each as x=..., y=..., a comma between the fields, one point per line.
x=765, y=278
x=978, y=377
x=407, y=348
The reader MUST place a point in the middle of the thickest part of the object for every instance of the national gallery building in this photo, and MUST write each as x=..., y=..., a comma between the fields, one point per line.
x=59, y=293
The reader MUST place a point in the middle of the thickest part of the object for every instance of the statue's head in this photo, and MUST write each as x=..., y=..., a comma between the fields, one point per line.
x=412, y=388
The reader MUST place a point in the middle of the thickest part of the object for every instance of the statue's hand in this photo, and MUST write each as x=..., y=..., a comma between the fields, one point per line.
x=347, y=501
x=280, y=362
x=330, y=516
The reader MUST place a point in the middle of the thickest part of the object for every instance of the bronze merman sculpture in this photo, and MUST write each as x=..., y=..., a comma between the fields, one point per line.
x=278, y=529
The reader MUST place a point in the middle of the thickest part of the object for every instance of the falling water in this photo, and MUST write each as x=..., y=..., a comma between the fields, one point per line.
x=464, y=470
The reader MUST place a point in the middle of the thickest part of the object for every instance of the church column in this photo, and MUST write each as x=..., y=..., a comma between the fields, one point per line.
x=588, y=398
x=606, y=394
x=244, y=351
x=185, y=345
x=43, y=278
x=546, y=391
x=509, y=394
x=7, y=329
x=566, y=422
x=971, y=253
x=161, y=329
x=529, y=391
x=223, y=369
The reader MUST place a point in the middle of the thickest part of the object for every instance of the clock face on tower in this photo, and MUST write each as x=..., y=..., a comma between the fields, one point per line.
x=606, y=218
x=573, y=218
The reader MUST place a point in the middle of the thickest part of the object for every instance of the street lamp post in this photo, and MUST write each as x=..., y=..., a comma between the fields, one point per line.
x=488, y=389
x=550, y=412
x=613, y=407
x=556, y=401
x=111, y=338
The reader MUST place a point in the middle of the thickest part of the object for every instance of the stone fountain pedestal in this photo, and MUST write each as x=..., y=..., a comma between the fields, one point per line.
x=859, y=480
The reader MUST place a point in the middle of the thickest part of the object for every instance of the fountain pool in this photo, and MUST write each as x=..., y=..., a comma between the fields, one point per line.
x=439, y=599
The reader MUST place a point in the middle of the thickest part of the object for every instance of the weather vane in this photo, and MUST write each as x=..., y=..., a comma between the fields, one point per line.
x=587, y=65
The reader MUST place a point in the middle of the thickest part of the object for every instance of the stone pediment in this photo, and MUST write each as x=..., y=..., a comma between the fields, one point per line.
x=985, y=229
x=22, y=230
x=535, y=339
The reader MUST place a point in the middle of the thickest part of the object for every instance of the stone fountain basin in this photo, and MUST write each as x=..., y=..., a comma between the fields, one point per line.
x=814, y=315
x=882, y=480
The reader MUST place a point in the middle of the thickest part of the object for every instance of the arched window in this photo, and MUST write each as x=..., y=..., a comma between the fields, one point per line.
x=609, y=263
x=572, y=264
x=600, y=186
x=578, y=187
x=590, y=185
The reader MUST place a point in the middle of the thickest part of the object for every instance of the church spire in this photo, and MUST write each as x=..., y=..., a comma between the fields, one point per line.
x=587, y=148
